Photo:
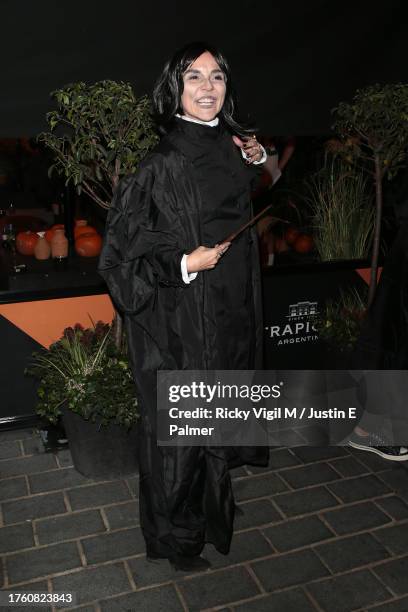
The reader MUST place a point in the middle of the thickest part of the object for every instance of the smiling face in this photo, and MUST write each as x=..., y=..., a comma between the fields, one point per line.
x=204, y=88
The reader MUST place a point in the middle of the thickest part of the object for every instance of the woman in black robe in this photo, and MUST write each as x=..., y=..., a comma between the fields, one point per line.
x=189, y=302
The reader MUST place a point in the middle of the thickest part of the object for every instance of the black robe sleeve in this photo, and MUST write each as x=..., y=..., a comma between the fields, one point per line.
x=140, y=249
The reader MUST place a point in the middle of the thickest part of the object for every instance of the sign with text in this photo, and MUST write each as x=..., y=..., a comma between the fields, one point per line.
x=257, y=408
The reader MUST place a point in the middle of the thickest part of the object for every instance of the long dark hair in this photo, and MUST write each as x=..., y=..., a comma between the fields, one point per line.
x=169, y=89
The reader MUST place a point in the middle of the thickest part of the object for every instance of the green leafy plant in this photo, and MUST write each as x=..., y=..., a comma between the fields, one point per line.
x=373, y=130
x=98, y=133
x=85, y=372
x=343, y=218
x=341, y=320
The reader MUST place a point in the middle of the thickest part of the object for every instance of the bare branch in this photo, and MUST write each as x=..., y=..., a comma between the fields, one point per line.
x=88, y=189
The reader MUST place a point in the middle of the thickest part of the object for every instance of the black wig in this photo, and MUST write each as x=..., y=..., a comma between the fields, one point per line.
x=169, y=88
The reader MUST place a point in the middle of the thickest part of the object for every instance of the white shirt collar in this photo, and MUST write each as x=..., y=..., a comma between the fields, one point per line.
x=211, y=123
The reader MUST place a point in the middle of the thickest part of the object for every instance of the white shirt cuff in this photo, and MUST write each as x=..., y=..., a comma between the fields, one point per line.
x=187, y=278
x=261, y=161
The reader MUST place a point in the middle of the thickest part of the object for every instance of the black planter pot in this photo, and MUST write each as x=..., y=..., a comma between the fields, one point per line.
x=338, y=360
x=100, y=452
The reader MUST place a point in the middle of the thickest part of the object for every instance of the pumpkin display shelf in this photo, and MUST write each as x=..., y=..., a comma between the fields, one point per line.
x=25, y=279
x=23, y=276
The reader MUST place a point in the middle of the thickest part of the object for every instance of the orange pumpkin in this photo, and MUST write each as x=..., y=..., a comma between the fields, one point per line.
x=25, y=242
x=50, y=232
x=88, y=245
x=80, y=230
x=303, y=244
x=80, y=222
x=281, y=245
x=291, y=235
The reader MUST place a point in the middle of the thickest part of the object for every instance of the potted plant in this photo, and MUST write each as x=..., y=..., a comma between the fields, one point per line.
x=87, y=380
x=340, y=323
x=99, y=133
x=374, y=136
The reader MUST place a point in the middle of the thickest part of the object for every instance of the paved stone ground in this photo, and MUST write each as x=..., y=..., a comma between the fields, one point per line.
x=323, y=529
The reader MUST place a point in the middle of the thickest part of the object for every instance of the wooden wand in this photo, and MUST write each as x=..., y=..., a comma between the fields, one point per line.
x=237, y=232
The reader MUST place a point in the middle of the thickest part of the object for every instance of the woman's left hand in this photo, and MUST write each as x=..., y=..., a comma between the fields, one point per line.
x=251, y=147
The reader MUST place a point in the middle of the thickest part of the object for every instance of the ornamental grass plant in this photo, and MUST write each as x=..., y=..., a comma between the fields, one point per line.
x=343, y=215
x=85, y=372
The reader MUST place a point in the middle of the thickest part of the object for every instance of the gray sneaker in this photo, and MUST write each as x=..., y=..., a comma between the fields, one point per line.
x=378, y=444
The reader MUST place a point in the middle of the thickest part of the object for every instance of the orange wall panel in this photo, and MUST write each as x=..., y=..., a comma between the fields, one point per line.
x=45, y=320
x=365, y=274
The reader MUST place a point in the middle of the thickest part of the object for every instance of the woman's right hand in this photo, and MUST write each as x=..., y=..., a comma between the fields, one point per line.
x=204, y=258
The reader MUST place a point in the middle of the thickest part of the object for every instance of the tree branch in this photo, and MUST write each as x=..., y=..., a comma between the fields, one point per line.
x=88, y=189
x=377, y=231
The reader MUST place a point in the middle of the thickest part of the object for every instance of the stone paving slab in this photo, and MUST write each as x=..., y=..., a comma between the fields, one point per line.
x=289, y=569
x=351, y=552
x=36, y=506
x=217, y=588
x=397, y=481
x=374, y=462
x=357, y=517
x=27, y=465
x=394, y=575
x=305, y=501
x=293, y=600
x=394, y=506
x=254, y=513
x=13, y=487
x=98, y=495
x=394, y=538
x=122, y=515
x=64, y=458
x=258, y=486
x=349, y=466
x=398, y=605
x=114, y=545
x=314, y=474
x=38, y=562
x=309, y=454
x=19, y=434
x=297, y=533
x=32, y=446
x=36, y=587
x=246, y=546
x=322, y=529
x=94, y=583
x=133, y=485
x=10, y=449
x=16, y=537
x=56, y=480
x=160, y=599
x=146, y=573
x=348, y=592
x=69, y=526
x=356, y=489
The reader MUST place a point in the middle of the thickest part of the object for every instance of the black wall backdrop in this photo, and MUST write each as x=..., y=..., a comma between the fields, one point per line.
x=292, y=61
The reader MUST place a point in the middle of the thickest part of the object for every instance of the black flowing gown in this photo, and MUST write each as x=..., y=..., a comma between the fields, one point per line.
x=229, y=284
x=193, y=189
